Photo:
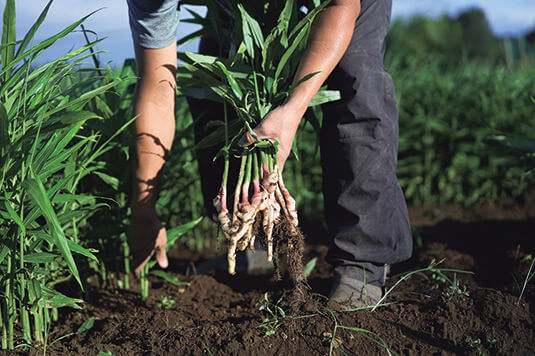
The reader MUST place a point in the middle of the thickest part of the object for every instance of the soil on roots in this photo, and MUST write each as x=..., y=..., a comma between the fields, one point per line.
x=218, y=314
x=288, y=244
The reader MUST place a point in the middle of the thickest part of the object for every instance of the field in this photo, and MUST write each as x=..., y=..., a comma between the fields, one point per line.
x=466, y=165
x=218, y=314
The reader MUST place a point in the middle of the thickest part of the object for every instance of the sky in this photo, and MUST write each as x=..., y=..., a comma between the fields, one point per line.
x=506, y=18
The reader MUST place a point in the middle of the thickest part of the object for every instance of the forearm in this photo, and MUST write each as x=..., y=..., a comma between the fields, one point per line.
x=155, y=126
x=330, y=35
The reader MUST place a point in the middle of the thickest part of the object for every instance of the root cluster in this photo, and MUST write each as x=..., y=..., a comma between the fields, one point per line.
x=271, y=202
x=268, y=215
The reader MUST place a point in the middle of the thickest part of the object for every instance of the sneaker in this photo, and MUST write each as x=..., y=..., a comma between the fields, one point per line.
x=350, y=292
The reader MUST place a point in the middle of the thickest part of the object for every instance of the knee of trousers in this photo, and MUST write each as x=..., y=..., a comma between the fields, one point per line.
x=368, y=104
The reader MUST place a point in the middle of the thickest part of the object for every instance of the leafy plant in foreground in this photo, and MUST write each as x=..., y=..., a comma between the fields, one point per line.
x=40, y=169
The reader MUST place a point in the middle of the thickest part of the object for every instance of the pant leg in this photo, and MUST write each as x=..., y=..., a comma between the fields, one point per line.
x=365, y=209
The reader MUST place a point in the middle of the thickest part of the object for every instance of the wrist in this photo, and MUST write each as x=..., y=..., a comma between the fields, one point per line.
x=296, y=105
x=143, y=202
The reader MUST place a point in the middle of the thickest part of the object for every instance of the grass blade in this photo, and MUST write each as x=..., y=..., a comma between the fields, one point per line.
x=8, y=35
x=31, y=32
x=37, y=191
x=4, y=127
x=42, y=45
x=178, y=231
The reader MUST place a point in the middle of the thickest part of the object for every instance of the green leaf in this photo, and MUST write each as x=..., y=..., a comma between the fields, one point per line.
x=252, y=33
x=298, y=41
x=87, y=325
x=304, y=79
x=15, y=216
x=54, y=299
x=31, y=32
x=324, y=96
x=309, y=267
x=3, y=253
x=73, y=117
x=41, y=45
x=106, y=178
x=40, y=257
x=174, y=233
x=231, y=81
x=4, y=129
x=307, y=20
x=218, y=136
x=73, y=246
x=7, y=50
x=38, y=193
x=169, y=278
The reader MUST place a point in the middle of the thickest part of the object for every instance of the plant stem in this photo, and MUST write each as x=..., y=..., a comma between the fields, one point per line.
x=256, y=175
x=224, y=183
x=3, y=317
x=126, y=260
x=247, y=182
x=10, y=302
x=239, y=184
x=144, y=282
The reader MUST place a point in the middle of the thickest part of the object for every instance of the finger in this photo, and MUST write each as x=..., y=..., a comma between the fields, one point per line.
x=246, y=140
x=161, y=257
x=139, y=267
x=161, y=243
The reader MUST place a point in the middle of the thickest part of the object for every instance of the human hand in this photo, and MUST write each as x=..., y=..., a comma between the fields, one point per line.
x=146, y=237
x=280, y=124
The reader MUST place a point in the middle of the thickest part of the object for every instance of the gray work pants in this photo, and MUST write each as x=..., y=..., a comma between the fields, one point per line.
x=365, y=208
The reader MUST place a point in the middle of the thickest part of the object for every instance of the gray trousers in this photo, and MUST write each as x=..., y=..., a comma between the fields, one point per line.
x=365, y=208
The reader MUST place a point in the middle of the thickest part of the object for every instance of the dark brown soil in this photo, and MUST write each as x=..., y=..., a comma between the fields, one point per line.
x=218, y=314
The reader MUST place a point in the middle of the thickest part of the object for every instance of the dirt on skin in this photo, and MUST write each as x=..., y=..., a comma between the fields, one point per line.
x=218, y=314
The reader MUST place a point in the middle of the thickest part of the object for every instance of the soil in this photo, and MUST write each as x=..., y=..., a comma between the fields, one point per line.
x=218, y=314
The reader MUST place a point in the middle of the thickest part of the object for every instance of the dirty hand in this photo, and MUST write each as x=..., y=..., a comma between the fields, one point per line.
x=146, y=237
x=280, y=124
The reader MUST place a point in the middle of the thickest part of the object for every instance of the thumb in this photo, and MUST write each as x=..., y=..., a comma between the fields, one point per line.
x=159, y=250
x=246, y=140
x=161, y=257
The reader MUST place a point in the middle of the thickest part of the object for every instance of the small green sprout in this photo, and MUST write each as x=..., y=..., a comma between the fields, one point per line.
x=165, y=303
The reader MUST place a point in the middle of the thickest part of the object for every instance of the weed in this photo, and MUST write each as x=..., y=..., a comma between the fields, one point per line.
x=276, y=315
x=165, y=303
x=476, y=345
x=454, y=287
x=337, y=343
x=438, y=273
x=529, y=276
x=206, y=347
x=105, y=353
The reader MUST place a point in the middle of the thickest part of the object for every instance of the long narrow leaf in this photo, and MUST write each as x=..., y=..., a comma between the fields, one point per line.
x=37, y=191
x=31, y=32
x=73, y=246
x=178, y=231
x=8, y=35
x=4, y=129
x=43, y=44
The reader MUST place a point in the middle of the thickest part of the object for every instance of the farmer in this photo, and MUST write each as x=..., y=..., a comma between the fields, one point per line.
x=365, y=209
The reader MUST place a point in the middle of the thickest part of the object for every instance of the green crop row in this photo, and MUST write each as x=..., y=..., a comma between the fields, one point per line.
x=45, y=154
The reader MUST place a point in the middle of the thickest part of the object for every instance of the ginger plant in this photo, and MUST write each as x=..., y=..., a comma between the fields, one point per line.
x=255, y=77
